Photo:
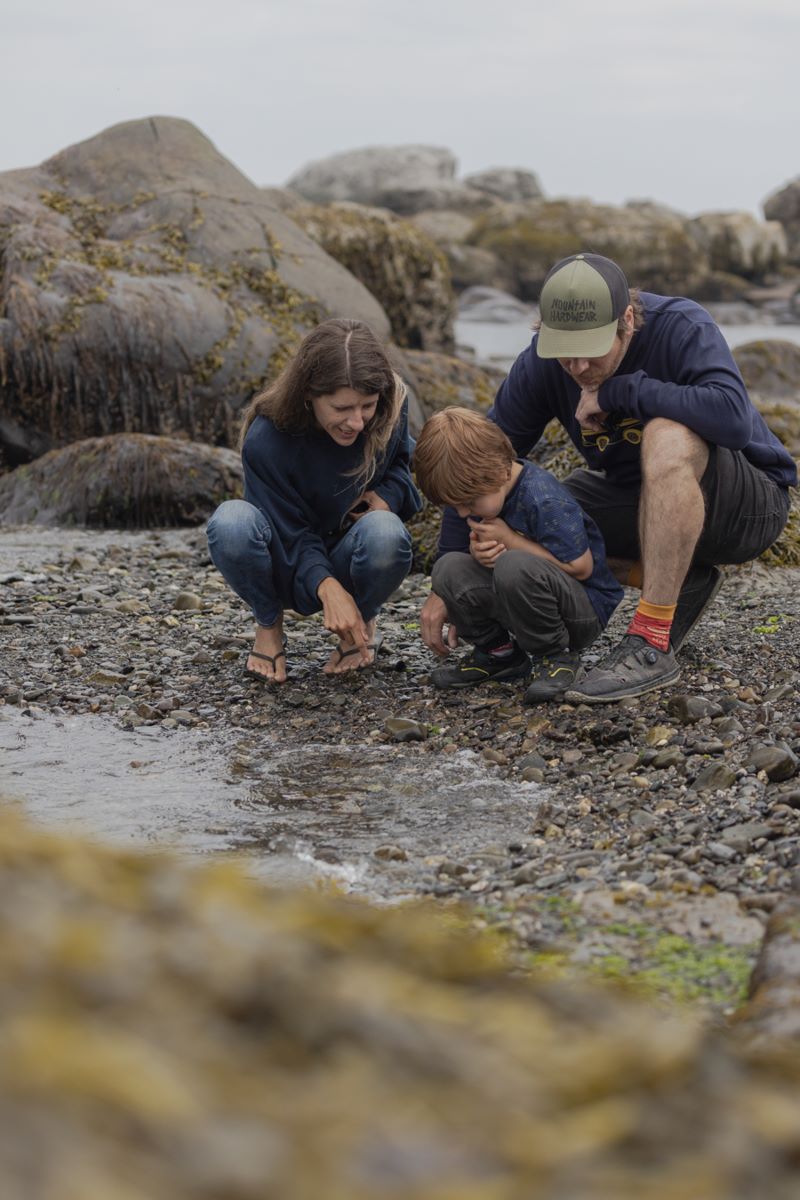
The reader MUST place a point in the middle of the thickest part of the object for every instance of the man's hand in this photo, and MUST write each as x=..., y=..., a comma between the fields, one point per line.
x=589, y=414
x=432, y=620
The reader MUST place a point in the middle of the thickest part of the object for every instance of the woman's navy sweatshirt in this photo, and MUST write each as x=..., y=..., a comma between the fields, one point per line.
x=678, y=366
x=304, y=486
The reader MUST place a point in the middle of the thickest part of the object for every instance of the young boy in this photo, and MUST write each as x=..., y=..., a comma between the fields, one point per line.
x=535, y=580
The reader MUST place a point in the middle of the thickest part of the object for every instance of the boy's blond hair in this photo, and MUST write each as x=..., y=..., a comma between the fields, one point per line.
x=460, y=456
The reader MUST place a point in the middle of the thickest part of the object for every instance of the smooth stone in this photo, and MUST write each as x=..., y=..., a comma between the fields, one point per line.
x=401, y=729
x=777, y=764
x=713, y=777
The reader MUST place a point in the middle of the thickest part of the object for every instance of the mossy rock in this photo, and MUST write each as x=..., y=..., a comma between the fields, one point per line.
x=123, y=481
x=172, y=1031
x=148, y=286
x=655, y=247
x=442, y=380
x=770, y=368
x=397, y=263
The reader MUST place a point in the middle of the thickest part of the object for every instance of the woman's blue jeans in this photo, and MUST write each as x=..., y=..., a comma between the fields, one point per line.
x=370, y=560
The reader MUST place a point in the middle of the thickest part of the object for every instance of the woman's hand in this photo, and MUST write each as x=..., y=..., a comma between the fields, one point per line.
x=340, y=614
x=367, y=502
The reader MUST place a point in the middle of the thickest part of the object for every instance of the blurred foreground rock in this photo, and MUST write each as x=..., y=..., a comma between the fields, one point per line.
x=183, y=1030
x=123, y=481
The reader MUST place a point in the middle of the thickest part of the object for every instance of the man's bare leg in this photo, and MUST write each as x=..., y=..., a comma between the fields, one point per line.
x=671, y=509
x=671, y=517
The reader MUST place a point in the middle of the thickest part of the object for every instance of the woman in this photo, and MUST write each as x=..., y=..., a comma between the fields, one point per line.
x=325, y=450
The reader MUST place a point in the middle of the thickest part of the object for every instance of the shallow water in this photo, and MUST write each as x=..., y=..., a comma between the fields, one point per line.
x=500, y=343
x=297, y=814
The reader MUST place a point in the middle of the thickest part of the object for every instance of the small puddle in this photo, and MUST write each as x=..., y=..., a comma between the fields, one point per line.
x=296, y=813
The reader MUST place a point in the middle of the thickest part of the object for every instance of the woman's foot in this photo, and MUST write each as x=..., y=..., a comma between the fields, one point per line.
x=267, y=659
x=348, y=658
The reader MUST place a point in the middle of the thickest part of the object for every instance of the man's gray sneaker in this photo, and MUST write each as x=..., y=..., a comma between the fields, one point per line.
x=552, y=675
x=699, y=588
x=481, y=667
x=632, y=668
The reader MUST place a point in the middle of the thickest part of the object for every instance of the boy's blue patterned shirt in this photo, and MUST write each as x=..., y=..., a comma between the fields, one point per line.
x=540, y=508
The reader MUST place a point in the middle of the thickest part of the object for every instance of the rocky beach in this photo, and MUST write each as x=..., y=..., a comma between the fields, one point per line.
x=649, y=839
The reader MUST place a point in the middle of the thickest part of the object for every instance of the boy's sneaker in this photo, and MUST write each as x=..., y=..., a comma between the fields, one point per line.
x=699, y=588
x=480, y=667
x=552, y=675
x=632, y=668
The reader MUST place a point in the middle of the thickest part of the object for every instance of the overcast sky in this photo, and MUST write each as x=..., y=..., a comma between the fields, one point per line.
x=692, y=103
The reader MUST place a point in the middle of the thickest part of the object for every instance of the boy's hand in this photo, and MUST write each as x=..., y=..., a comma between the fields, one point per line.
x=492, y=529
x=432, y=619
x=485, y=549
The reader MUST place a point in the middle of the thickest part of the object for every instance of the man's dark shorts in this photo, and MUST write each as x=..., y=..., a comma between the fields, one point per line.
x=746, y=511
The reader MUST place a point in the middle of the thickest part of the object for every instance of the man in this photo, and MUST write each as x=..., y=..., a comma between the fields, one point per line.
x=683, y=472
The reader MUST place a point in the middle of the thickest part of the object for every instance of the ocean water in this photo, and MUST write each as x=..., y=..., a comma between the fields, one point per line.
x=500, y=344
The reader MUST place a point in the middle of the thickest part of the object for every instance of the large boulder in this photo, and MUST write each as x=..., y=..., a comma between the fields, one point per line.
x=147, y=285
x=738, y=244
x=653, y=245
x=405, y=179
x=397, y=263
x=512, y=184
x=784, y=206
x=124, y=481
x=770, y=367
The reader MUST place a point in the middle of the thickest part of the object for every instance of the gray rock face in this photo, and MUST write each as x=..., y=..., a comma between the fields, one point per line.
x=739, y=244
x=122, y=481
x=405, y=179
x=149, y=286
x=784, y=206
x=506, y=183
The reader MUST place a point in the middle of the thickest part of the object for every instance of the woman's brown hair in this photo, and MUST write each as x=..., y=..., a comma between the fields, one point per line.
x=339, y=353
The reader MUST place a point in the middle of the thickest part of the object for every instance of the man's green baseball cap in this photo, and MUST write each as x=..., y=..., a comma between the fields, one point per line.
x=581, y=301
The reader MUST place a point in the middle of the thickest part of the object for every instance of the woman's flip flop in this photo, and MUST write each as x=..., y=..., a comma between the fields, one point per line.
x=374, y=646
x=270, y=658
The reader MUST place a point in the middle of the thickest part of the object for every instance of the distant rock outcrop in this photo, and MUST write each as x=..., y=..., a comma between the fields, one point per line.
x=148, y=286
x=124, y=481
x=739, y=244
x=784, y=206
x=652, y=245
x=511, y=184
x=405, y=179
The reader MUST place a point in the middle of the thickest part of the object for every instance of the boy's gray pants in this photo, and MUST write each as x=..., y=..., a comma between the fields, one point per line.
x=539, y=605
